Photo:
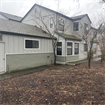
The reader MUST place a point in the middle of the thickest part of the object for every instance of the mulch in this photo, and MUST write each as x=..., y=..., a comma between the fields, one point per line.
x=76, y=85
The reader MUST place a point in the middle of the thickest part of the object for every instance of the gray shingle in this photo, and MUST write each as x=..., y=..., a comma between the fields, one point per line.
x=17, y=27
x=11, y=17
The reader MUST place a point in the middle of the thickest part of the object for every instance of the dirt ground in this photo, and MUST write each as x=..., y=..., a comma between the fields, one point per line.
x=76, y=85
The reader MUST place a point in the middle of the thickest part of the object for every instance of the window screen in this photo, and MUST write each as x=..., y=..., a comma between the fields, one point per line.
x=69, y=48
x=59, y=48
x=76, y=48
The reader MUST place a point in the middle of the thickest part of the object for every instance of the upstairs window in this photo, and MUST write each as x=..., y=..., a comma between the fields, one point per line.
x=76, y=26
x=59, y=48
x=76, y=48
x=61, y=24
x=69, y=48
x=31, y=44
x=51, y=22
x=85, y=27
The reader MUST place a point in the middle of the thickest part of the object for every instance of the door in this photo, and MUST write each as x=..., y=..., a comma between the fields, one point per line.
x=2, y=58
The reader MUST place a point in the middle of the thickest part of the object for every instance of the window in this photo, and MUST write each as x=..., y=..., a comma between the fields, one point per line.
x=76, y=26
x=51, y=22
x=76, y=48
x=85, y=27
x=0, y=37
x=59, y=48
x=69, y=48
x=85, y=47
x=31, y=44
x=61, y=25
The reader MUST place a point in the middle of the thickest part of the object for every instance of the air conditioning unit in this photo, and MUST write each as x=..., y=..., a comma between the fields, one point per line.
x=0, y=37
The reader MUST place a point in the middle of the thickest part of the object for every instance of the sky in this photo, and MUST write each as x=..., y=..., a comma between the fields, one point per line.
x=70, y=7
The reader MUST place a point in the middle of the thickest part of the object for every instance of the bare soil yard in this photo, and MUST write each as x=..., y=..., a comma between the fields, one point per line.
x=76, y=85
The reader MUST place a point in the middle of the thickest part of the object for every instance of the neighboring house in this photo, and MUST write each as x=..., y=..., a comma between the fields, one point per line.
x=23, y=46
x=25, y=43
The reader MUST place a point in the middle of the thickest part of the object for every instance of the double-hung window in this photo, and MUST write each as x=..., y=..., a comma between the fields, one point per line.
x=59, y=48
x=76, y=48
x=76, y=26
x=61, y=24
x=51, y=22
x=69, y=48
x=85, y=27
x=31, y=44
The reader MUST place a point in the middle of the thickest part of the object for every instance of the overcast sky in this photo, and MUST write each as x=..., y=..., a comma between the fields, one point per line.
x=21, y=7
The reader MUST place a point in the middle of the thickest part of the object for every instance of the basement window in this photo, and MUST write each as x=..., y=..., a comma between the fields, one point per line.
x=31, y=44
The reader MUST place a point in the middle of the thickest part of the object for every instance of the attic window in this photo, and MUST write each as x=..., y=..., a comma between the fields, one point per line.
x=0, y=37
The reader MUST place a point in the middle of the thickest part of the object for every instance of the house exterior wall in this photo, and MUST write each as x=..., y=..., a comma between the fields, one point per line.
x=17, y=57
x=37, y=12
x=26, y=61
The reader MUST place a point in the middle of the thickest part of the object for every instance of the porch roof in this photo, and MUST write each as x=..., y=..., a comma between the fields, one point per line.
x=69, y=37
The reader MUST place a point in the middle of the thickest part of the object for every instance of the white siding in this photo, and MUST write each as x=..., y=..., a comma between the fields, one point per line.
x=15, y=45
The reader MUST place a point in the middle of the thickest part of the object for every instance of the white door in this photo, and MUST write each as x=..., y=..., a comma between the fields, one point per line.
x=2, y=58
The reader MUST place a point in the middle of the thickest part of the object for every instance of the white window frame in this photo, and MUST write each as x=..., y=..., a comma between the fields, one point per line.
x=31, y=48
x=63, y=24
x=61, y=50
x=51, y=22
x=74, y=48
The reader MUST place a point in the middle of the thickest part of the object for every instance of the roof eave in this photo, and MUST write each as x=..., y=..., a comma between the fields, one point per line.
x=21, y=34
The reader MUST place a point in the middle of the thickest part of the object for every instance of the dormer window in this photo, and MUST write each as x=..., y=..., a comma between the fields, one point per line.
x=61, y=24
x=76, y=26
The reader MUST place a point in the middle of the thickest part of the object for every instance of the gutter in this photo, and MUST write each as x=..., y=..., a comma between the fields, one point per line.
x=21, y=34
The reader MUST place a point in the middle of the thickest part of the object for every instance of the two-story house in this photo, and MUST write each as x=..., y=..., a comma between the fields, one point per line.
x=68, y=30
x=25, y=43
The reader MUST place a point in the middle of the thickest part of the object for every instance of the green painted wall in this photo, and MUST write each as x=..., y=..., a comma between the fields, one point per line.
x=72, y=58
x=24, y=61
x=67, y=58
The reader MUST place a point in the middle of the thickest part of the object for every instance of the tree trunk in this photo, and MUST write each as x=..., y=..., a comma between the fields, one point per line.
x=54, y=57
x=89, y=60
x=101, y=58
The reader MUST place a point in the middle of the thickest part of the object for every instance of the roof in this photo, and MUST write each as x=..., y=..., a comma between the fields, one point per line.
x=7, y=26
x=11, y=17
x=80, y=17
x=70, y=37
x=47, y=9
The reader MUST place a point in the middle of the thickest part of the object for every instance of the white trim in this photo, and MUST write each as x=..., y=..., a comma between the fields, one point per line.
x=27, y=53
x=4, y=59
x=31, y=48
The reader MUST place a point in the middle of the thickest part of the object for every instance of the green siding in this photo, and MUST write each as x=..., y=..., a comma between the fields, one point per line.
x=25, y=61
x=72, y=58
x=60, y=58
x=67, y=58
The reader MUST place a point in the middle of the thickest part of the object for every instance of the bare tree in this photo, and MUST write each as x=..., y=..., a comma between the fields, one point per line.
x=101, y=40
x=42, y=17
x=88, y=37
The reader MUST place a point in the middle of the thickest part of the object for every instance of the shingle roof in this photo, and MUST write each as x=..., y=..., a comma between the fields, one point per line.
x=80, y=17
x=11, y=17
x=71, y=37
x=20, y=28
